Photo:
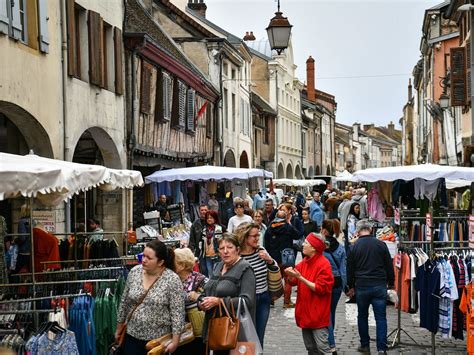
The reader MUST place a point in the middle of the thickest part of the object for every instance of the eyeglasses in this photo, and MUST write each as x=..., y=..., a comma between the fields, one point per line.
x=239, y=206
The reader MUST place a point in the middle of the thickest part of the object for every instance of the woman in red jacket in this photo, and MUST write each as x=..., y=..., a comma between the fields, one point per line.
x=314, y=279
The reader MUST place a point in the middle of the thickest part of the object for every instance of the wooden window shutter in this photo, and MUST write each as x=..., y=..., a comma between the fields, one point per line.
x=159, y=96
x=4, y=17
x=145, y=88
x=166, y=85
x=15, y=17
x=95, y=48
x=118, y=61
x=71, y=39
x=468, y=72
x=190, y=110
x=209, y=120
x=175, y=104
x=43, y=20
x=182, y=104
x=458, y=76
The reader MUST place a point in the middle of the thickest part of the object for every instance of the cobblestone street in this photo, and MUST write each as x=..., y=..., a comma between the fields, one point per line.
x=284, y=337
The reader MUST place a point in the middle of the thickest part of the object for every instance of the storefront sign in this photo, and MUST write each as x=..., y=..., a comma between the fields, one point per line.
x=429, y=225
x=46, y=218
x=471, y=231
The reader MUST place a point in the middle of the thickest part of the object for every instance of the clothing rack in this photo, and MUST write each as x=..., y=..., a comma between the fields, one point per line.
x=123, y=258
x=72, y=271
x=20, y=300
x=58, y=282
x=28, y=311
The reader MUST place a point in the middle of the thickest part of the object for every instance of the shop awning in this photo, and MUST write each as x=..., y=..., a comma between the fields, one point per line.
x=344, y=176
x=298, y=182
x=30, y=175
x=410, y=172
x=207, y=172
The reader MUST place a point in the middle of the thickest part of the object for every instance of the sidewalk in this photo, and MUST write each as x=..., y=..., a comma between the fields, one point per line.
x=284, y=337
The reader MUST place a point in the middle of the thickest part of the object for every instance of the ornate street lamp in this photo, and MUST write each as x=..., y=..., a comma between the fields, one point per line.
x=279, y=31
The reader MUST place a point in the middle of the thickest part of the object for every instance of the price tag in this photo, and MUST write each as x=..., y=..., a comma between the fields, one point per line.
x=429, y=225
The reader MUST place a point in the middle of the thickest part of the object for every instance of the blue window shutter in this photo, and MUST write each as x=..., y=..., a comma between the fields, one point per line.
x=15, y=17
x=190, y=111
x=4, y=16
x=43, y=26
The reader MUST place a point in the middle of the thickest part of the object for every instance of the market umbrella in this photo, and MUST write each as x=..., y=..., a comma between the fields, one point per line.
x=206, y=172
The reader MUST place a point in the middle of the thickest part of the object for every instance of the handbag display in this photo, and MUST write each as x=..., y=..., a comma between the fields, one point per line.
x=223, y=329
x=275, y=284
x=196, y=318
x=123, y=331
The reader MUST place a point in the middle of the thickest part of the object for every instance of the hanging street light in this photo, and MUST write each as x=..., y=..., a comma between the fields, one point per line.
x=279, y=31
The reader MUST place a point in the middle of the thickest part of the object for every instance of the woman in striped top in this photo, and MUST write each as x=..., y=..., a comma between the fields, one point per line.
x=248, y=235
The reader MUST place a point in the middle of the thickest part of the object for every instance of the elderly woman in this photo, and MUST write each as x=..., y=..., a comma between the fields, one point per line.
x=193, y=286
x=233, y=278
x=313, y=277
x=152, y=302
x=248, y=235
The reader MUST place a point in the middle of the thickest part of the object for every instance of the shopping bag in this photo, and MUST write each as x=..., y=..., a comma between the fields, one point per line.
x=247, y=340
x=275, y=284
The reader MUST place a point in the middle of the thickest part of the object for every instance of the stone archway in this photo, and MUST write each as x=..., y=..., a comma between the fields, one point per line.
x=95, y=146
x=310, y=172
x=244, y=160
x=281, y=172
x=298, y=174
x=328, y=170
x=21, y=132
x=229, y=159
x=289, y=171
x=318, y=170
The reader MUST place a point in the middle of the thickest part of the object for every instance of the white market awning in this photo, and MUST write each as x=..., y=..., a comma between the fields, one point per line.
x=344, y=176
x=30, y=175
x=297, y=182
x=206, y=172
x=410, y=172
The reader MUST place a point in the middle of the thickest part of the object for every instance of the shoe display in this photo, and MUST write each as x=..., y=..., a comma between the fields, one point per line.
x=289, y=305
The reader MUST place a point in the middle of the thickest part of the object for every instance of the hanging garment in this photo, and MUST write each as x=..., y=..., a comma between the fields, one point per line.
x=428, y=283
x=466, y=306
x=448, y=294
x=401, y=264
x=374, y=205
x=385, y=191
x=424, y=188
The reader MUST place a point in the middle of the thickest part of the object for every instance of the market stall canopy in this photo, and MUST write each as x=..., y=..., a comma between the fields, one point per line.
x=206, y=172
x=456, y=184
x=410, y=172
x=344, y=176
x=297, y=182
x=30, y=175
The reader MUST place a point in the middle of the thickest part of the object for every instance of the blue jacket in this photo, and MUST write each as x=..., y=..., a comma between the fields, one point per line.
x=316, y=212
x=339, y=256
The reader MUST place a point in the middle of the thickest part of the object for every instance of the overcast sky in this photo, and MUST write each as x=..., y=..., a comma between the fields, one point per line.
x=365, y=51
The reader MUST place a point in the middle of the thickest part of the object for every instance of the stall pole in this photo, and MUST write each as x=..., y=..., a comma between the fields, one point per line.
x=32, y=264
x=433, y=339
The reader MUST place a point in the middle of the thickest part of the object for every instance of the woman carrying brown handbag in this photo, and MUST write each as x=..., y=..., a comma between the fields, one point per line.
x=152, y=304
x=232, y=278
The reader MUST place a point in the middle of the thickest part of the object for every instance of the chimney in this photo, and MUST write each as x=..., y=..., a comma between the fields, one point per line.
x=310, y=79
x=249, y=36
x=198, y=6
x=391, y=127
x=410, y=90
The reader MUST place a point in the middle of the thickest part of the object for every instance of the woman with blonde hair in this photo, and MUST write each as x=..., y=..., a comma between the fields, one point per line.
x=248, y=235
x=193, y=287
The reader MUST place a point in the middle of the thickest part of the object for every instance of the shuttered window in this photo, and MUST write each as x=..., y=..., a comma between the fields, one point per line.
x=145, y=87
x=458, y=76
x=118, y=61
x=95, y=31
x=468, y=73
x=163, y=97
x=182, y=104
x=166, y=96
x=190, y=110
x=43, y=20
x=209, y=122
x=11, y=19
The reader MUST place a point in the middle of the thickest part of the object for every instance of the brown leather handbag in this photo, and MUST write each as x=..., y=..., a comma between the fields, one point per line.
x=223, y=329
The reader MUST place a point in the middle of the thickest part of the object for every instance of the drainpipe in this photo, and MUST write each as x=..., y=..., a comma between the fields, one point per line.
x=276, y=124
x=131, y=138
x=67, y=206
x=220, y=121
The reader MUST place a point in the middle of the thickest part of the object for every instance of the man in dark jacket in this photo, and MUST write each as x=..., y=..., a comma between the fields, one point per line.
x=269, y=212
x=195, y=233
x=370, y=271
x=278, y=237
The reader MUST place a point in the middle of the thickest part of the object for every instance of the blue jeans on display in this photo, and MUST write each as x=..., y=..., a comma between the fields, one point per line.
x=377, y=297
x=336, y=295
x=261, y=314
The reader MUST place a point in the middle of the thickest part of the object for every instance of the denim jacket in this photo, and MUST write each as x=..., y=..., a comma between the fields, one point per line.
x=338, y=257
